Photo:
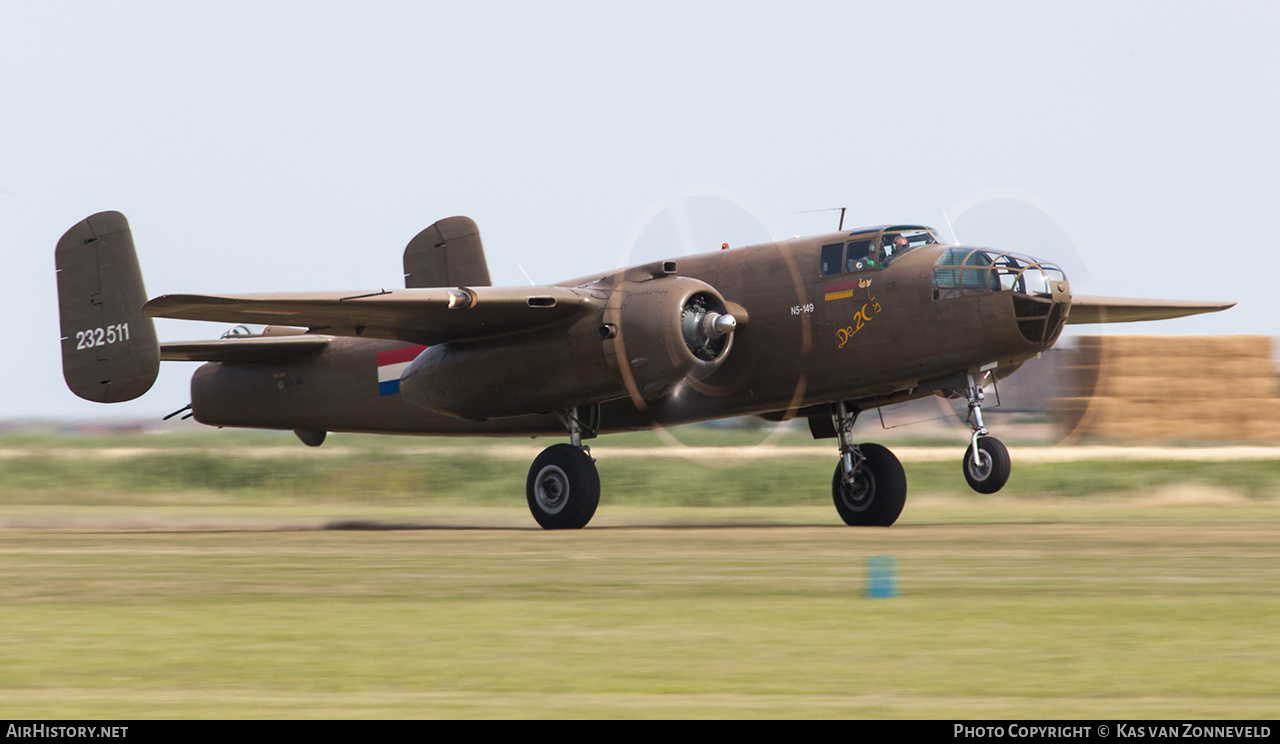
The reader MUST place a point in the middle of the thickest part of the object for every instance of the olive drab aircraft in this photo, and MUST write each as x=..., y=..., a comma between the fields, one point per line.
x=824, y=328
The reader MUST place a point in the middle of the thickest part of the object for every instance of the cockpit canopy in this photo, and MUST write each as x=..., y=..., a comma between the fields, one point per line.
x=873, y=248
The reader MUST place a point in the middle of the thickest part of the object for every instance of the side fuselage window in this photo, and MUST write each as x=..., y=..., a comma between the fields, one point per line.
x=831, y=254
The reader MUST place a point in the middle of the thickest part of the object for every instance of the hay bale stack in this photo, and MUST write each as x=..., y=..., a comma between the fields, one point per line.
x=1173, y=388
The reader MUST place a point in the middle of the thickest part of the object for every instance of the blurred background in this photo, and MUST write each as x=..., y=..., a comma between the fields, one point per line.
x=298, y=146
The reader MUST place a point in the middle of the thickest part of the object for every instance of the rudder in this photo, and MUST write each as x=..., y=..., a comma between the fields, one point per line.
x=109, y=349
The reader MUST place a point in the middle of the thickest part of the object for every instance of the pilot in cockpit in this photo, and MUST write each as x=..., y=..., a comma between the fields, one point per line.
x=893, y=244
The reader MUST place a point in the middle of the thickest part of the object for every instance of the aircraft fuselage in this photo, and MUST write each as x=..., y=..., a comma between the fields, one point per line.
x=805, y=340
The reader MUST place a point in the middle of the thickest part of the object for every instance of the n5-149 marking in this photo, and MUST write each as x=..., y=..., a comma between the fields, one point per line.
x=102, y=336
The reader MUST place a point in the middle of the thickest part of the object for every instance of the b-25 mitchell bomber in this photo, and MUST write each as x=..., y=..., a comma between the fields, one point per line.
x=822, y=328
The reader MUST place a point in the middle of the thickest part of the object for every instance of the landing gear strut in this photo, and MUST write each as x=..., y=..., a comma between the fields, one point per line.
x=563, y=487
x=869, y=487
x=986, y=462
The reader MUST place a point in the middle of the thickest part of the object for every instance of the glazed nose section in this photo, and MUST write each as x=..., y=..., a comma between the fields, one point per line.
x=1041, y=300
x=1046, y=280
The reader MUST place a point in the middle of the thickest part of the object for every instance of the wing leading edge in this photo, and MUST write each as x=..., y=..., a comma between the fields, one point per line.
x=422, y=316
x=1126, y=310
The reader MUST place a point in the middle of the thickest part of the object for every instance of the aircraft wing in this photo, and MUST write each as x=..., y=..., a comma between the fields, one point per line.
x=1128, y=310
x=242, y=350
x=422, y=316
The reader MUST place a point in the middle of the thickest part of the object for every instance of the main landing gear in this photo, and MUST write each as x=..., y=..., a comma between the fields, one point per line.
x=869, y=487
x=986, y=463
x=563, y=487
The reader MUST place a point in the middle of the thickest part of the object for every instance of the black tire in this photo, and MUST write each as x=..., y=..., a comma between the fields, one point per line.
x=563, y=488
x=994, y=472
x=878, y=493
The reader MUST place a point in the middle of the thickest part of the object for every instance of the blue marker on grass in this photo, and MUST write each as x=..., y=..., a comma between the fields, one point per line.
x=882, y=576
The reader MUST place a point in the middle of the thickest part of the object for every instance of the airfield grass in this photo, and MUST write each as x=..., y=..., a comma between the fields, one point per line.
x=1039, y=619
x=260, y=468
x=348, y=588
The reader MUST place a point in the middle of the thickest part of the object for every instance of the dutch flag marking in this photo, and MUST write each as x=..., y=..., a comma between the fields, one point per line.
x=391, y=364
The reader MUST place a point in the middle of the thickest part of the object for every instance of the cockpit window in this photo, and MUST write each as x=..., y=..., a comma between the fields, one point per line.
x=860, y=255
x=868, y=251
x=897, y=241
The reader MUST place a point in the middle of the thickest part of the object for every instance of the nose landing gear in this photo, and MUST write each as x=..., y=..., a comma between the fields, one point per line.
x=986, y=462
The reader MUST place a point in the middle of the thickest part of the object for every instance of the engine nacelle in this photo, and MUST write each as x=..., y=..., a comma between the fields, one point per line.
x=645, y=339
x=665, y=331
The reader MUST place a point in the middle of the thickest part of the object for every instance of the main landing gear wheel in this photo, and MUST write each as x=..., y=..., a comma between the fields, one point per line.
x=877, y=492
x=563, y=488
x=989, y=470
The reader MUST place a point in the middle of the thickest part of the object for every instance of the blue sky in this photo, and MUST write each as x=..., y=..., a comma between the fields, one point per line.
x=300, y=145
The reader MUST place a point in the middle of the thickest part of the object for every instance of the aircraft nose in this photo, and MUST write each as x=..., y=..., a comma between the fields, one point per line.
x=1041, y=297
x=1040, y=322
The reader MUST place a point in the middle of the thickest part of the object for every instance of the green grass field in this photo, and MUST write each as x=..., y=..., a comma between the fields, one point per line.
x=269, y=468
x=208, y=582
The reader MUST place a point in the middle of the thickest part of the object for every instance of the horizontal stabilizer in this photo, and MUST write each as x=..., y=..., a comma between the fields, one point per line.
x=243, y=350
x=1128, y=310
x=109, y=349
x=420, y=316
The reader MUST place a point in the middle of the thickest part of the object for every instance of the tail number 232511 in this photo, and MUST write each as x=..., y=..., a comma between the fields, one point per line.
x=92, y=337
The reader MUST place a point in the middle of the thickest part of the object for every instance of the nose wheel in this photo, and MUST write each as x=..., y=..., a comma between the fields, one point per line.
x=986, y=463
